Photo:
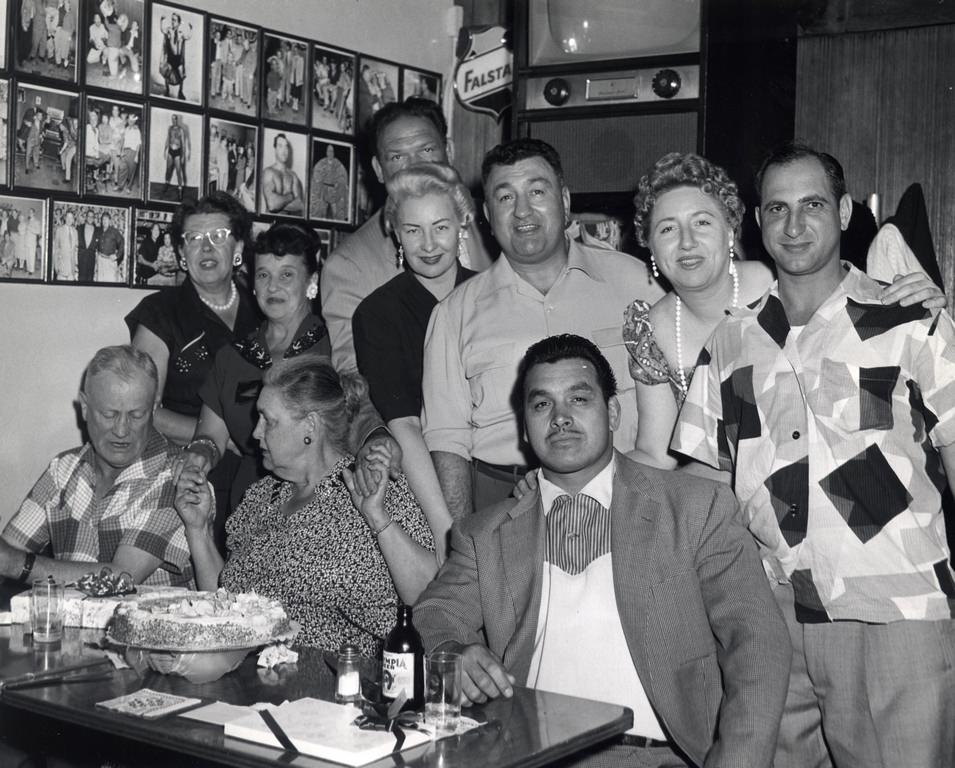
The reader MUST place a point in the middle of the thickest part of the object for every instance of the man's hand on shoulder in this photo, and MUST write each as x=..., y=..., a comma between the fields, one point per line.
x=483, y=676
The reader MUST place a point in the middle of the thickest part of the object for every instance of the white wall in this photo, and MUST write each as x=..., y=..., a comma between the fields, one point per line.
x=50, y=332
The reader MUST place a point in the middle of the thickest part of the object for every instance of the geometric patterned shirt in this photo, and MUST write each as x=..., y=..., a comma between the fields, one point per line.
x=830, y=434
x=61, y=511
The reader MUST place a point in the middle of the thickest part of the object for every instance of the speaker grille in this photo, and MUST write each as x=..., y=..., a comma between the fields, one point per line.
x=610, y=154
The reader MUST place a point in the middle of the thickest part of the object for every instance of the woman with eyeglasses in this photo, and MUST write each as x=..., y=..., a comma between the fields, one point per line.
x=182, y=328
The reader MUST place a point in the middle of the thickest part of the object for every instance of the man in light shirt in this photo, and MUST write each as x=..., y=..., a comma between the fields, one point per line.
x=617, y=582
x=545, y=282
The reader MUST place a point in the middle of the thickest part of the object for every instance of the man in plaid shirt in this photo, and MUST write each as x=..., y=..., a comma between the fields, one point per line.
x=109, y=502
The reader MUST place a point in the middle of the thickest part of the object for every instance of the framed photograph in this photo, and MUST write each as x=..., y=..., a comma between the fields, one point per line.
x=93, y=237
x=3, y=35
x=45, y=148
x=330, y=187
x=327, y=243
x=333, y=92
x=420, y=85
x=155, y=265
x=113, y=150
x=233, y=68
x=286, y=79
x=377, y=85
x=259, y=226
x=283, y=162
x=364, y=198
x=23, y=238
x=175, y=155
x=111, y=40
x=175, y=53
x=4, y=130
x=230, y=160
x=45, y=38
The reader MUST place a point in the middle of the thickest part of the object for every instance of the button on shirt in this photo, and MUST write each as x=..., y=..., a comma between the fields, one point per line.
x=833, y=437
x=480, y=332
x=579, y=646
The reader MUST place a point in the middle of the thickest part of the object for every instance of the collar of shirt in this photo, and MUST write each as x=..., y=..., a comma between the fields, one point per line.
x=599, y=488
x=579, y=257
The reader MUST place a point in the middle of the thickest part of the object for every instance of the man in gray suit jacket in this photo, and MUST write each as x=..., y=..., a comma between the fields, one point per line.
x=615, y=581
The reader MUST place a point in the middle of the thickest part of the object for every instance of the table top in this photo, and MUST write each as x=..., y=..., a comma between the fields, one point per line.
x=531, y=729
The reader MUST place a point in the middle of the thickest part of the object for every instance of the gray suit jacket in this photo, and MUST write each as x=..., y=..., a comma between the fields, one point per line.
x=704, y=632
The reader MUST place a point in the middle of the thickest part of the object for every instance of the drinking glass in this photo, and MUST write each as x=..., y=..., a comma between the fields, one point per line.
x=442, y=701
x=46, y=611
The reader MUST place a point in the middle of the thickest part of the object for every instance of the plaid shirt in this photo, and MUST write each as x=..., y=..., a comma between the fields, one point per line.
x=832, y=433
x=62, y=511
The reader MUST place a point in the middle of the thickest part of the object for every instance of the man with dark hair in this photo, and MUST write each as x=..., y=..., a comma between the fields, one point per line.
x=281, y=186
x=835, y=414
x=616, y=582
x=109, y=502
x=403, y=133
x=545, y=282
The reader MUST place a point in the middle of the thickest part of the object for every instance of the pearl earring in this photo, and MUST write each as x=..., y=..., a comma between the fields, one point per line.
x=308, y=440
x=653, y=266
x=236, y=259
x=401, y=256
x=312, y=291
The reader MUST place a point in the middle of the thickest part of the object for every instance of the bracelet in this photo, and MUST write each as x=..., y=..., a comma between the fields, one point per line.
x=379, y=531
x=28, y=562
x=209, y=443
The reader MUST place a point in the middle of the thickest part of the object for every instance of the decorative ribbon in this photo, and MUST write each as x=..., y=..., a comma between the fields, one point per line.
x=387, y=716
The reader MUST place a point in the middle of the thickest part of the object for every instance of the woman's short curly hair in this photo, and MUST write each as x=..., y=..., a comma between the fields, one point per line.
x=677, y=169
x=427, y=179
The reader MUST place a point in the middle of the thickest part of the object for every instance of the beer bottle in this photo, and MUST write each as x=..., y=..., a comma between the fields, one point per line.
x=402, y=662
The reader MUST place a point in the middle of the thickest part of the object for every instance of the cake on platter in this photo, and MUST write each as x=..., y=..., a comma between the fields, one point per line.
x=81, y=610
x=199, y=621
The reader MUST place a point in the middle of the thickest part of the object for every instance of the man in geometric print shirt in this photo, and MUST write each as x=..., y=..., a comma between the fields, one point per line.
x=109, y=502
x=835, y=415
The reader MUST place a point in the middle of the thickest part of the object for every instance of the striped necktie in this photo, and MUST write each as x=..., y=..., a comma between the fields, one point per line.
x=578, y=532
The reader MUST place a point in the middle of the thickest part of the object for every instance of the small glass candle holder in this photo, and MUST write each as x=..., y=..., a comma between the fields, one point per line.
x=348, y=678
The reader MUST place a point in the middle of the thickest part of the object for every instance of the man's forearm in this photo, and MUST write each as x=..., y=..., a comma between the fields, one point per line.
x=454, y=475
x=12, y=562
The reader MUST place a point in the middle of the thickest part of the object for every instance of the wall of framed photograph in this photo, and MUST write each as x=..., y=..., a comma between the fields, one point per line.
x=114, y=111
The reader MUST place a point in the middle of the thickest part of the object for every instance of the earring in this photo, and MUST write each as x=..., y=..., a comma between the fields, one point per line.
x=401, y=256
x=653, y=266
x=732, y=256
x=308, y=440
x=236, y=259
x=464, y=255
x=312, y=291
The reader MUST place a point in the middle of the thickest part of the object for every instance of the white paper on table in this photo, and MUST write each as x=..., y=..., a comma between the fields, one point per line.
x=217, y=713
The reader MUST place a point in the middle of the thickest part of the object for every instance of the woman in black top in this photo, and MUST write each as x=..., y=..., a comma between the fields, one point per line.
x=428, y=211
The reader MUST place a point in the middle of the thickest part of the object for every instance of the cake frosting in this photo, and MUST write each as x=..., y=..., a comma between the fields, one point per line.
x=87, y=612
x=195, y=621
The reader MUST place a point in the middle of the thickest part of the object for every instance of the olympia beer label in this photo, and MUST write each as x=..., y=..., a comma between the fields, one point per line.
x=397, y=674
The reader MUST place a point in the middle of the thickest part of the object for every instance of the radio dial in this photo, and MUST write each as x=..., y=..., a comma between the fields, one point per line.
x=556, y=92
x=666, y=83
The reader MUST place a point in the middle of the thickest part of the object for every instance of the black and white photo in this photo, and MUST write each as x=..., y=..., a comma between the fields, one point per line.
x=283, y=164
x=175, y=155
x=175, y=54
x=113, y=149
x=93, y=237
x=112, y=42
x=330, y=187
x=233, y=68
x=23, y=236
x=45, y=146
x=4, y=129
x=420, y=85
x=45, y=38
x=230, y=160
x=377, y=85
x=155, y=265
x=286, y=79
x=333, y=90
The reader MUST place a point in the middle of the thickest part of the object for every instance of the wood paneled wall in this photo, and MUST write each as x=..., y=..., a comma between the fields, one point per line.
x=884, y=104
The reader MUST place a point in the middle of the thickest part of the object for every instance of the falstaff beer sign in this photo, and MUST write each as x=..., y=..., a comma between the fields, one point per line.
x=485, y=70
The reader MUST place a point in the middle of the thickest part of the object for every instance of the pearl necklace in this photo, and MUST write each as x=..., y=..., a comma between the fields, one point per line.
x=684, y=386
x=233, y=295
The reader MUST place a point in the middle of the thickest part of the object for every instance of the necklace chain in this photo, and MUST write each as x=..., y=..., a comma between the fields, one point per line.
x=681, y=373
x=233, y=295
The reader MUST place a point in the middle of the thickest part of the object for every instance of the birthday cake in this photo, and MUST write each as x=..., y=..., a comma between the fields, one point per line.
x=198, y=621
x=81, y=610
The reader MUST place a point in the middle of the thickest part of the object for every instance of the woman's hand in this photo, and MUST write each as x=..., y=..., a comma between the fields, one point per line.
x=369, y=499
x=194, y=499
